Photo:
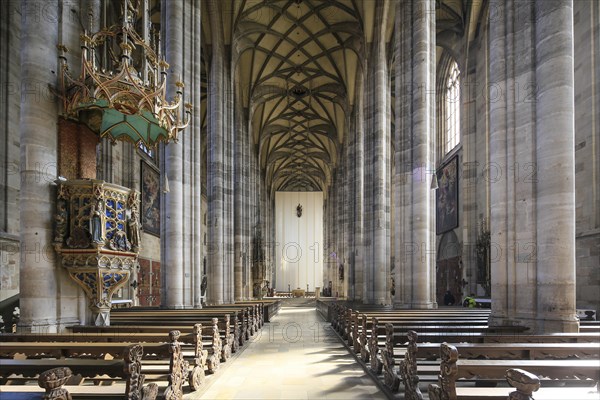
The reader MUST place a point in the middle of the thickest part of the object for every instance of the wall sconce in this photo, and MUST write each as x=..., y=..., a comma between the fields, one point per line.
x=134, y=284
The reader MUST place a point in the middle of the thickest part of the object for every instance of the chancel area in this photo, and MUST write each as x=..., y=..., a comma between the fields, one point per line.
x=201, y=192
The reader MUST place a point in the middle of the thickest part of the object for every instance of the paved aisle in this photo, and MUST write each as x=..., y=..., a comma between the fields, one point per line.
x=293, y=357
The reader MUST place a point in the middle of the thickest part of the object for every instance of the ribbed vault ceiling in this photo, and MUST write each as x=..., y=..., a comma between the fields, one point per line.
x=299, y=59
x=295, y=64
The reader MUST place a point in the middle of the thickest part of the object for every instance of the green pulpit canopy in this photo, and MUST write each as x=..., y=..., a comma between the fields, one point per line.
x=122, y=123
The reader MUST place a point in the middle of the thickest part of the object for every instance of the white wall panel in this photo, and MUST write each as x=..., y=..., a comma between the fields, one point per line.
x=299, y=246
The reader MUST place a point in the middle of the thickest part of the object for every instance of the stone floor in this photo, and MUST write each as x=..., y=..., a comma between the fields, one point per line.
x=295, y=356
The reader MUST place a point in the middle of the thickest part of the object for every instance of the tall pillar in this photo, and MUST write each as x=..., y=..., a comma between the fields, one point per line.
x=555, y=140
x=359, y=190
x=38, y=142
x=228, y=191
x=532, y=191
x=196, y=133
x=346, y=223
x=238, y=209
x=216, y=166
x=377, y=262
x=173, y=268
x=415, y=154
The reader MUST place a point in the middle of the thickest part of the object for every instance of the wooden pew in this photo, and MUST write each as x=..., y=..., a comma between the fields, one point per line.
x=523, y=351
x=354, y=327
x=250, y=313
x=78, y=346
x=227, y=342
x=234, y=332
x=345, y=320
x=54, y=373
x=197, y=335
x=370, y=338
x=408, y=372
x=452, y=369
x=514, y=351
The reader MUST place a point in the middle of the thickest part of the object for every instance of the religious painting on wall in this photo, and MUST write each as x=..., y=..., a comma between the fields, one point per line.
x=150, y=182
x=447, y=197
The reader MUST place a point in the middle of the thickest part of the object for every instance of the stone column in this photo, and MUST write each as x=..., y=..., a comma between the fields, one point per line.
x=346, y=210
x=377, y=262
x=229, y=192
x=498, y=192
x=532, y=168
x=216, y=167
x=173, y=232
x=238, y=213
x=359, y=190
x=415, y=154
x=39, y=275
x=196, y=133
x=555, y=140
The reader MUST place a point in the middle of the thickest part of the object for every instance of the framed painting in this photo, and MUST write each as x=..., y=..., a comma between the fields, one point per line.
x=150, y=189
x=446, y=198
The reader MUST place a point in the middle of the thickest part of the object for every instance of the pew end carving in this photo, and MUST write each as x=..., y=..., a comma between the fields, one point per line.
x=197, y=374
x=53, y=380
x=446, y=387
x=363, y=339
x=227, y=339
x=375, y=363
x=178, y=368
x=525, y=382
x=408, y=368
x=391, y=379
x=214, y=360
x=134, y=388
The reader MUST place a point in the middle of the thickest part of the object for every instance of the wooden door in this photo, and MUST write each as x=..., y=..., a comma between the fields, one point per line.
x=449, y=277
x=149, y=283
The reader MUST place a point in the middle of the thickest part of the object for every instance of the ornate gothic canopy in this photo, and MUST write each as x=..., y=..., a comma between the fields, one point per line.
x=121, y=91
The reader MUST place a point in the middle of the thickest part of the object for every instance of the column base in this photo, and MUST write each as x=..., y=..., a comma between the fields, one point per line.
x=428, y=305
x=38, y=326
x=538, y=325
x=380, y=302
x=177, y=307
x=46, y=326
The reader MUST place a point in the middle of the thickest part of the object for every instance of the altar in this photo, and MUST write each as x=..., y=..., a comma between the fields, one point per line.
x=298, y=292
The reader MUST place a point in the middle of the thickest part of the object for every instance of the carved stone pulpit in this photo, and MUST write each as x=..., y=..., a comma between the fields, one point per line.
x=97, y=236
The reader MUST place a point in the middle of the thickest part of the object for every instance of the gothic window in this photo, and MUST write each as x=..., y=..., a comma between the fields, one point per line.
x=451, y=98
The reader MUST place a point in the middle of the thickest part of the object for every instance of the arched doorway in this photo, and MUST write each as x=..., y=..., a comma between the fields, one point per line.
x=449, y=268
